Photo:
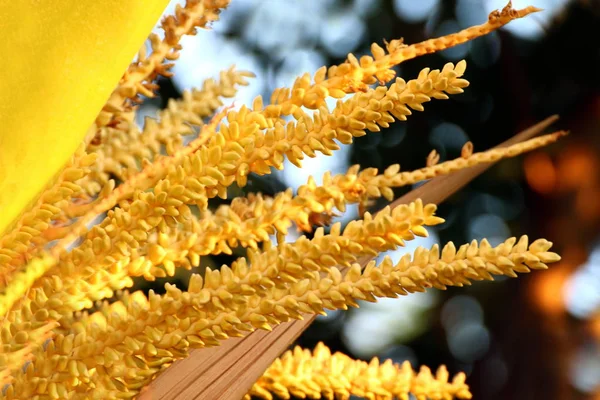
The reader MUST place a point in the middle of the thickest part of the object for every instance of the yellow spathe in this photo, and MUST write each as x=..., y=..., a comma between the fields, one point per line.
x=62, y=59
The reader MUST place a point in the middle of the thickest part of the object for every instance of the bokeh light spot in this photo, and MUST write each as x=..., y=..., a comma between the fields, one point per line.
x=585, y=368
x=468, y=341
x=414, y=11
x=447, y=136
x=540, y=172
x=342, y=32
x=485, y=51
x=459, y=310
x=488, y=226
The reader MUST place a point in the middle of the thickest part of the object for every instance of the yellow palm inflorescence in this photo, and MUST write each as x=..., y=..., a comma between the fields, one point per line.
x=321, y=374
x=78, y=239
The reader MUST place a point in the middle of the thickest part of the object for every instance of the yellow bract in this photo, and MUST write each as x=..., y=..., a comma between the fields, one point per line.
x=64, y=59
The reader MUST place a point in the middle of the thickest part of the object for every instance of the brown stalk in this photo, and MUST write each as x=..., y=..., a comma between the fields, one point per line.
x=227, y=372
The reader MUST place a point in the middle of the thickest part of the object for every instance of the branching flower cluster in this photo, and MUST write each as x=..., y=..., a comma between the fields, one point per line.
x=72, y=329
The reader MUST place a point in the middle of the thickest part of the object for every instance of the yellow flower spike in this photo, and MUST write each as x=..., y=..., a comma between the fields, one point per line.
x=321, y=374
x=65, y=58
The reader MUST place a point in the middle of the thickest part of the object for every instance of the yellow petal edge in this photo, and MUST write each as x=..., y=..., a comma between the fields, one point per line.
x=62, y=58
